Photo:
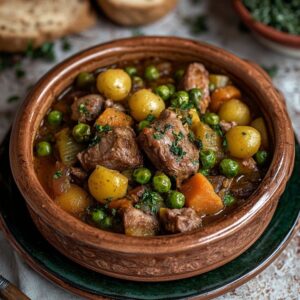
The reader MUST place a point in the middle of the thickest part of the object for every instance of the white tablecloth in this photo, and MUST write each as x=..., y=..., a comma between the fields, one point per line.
x=281, y=280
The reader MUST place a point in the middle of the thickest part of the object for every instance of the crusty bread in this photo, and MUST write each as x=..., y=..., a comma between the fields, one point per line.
x=36, y=21
x=136, y=12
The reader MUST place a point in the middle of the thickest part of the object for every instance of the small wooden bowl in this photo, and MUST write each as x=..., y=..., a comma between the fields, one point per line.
x=162, y=257
x=277, y=40
x=134, y=13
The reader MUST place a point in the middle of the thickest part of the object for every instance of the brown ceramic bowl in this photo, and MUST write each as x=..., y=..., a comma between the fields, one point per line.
x=271, y=37
x=162, y=257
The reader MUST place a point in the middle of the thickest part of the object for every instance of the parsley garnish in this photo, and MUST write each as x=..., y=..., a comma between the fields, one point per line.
x=82, y=109
x=187, y=120
x=103, y=128
x=197, y=24
x=94, y=141
x=46, y=51
x=157, y=135
x=65, y=44
x=13, y=98
x=177, y=150
x=57, y=174
x=150, y=118
x=217, y=129
x=150, y=202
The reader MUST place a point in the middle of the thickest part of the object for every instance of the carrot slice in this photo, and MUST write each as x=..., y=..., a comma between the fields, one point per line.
x=200, y=195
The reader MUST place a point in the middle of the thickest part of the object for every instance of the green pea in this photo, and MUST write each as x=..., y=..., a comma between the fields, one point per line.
x=106, y=222
x=130, y=70
x=151, y=73
x=143, y=124
x=195, y=95
x=178, y=75
x=175, y=199
x=43, y=149
x=163, y=92
x=261, y=157
x=172, y=89
x=204, y=172
x=54, y=117
x=137, y=82
x=81, y=132
x=229, y=167
x=161, y=182
x=211, y=119
x=228, y=200
x=142, y=175
x=180, y=98
x=85, y=80
x=208, y=158
x=98, y=215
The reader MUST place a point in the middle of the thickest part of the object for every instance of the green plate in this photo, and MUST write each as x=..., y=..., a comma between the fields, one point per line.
x=22, y=232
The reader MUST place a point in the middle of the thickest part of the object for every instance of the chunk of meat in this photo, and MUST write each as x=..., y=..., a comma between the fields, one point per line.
x=135, y=194
x=179, y=220
x=87, y=108
x=78, y=175
x=109, y=103
x=243, y=187
x=221, y=184
x=137, y=223
x=167, y=145
x=225, y=126
x=116, y=150
x=196, y=76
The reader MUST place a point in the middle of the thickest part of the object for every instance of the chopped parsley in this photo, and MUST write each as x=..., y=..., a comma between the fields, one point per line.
x=13, y=98
x=178, y=136
x=103, y=128
x=272, y=70
x=157, y=135
x=187, y=120
x=45, y=51
x=150, y=202
x=65, y=44
x=94, y=141
x=197, y=24
x=177, y=150
x=82, y=108
x=217, y=129
x=150, y=118
x=57, y=174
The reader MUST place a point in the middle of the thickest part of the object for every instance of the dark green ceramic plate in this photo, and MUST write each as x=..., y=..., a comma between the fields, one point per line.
x=44, y=258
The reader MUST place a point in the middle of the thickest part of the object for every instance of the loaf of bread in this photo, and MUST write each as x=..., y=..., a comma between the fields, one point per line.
x=24, y=22
x=136, y=12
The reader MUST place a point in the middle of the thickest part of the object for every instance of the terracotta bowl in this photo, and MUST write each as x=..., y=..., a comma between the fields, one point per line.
x=162, y=257
x=280, y=41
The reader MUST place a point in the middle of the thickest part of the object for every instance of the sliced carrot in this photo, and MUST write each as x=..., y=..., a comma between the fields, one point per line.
x=200, y=195
x=114, y=117
x=221, y=95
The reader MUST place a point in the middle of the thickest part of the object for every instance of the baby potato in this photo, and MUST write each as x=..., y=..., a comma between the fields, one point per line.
x=195, y=118
x=143, y=103
x=106, y=184
x=259, y=124
x=243, y=141
x=114, y=84
x=74, y=201
x=221, y=95
x=235, y=110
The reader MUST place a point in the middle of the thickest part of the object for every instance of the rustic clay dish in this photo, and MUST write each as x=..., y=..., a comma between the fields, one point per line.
x=162, y=257
x=277, y=40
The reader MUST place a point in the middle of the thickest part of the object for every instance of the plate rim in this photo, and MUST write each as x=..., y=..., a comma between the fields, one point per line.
x=47, y=274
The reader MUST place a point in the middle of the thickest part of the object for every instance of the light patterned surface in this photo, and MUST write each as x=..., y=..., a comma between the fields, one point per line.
x=281, y=280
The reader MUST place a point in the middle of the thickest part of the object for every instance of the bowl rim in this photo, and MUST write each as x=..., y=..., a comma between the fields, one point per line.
x=22, y=137
x=269, y=32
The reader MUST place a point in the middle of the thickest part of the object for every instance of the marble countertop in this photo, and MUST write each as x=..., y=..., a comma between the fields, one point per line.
x=281, y=280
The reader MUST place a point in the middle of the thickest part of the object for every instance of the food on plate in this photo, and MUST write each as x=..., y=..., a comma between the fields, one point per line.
x=136, y=12
x=151, y=147
x=31, y=22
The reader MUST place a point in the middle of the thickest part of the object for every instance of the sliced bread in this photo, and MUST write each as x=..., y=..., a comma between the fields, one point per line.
x=35, y=21
x=136, y=12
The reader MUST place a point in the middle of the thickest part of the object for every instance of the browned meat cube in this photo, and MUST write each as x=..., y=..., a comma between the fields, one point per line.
x=117, y=150
x=87, y=108
x=167, y=145
x=138, y=223
x=196, y=76
x=179, y=220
